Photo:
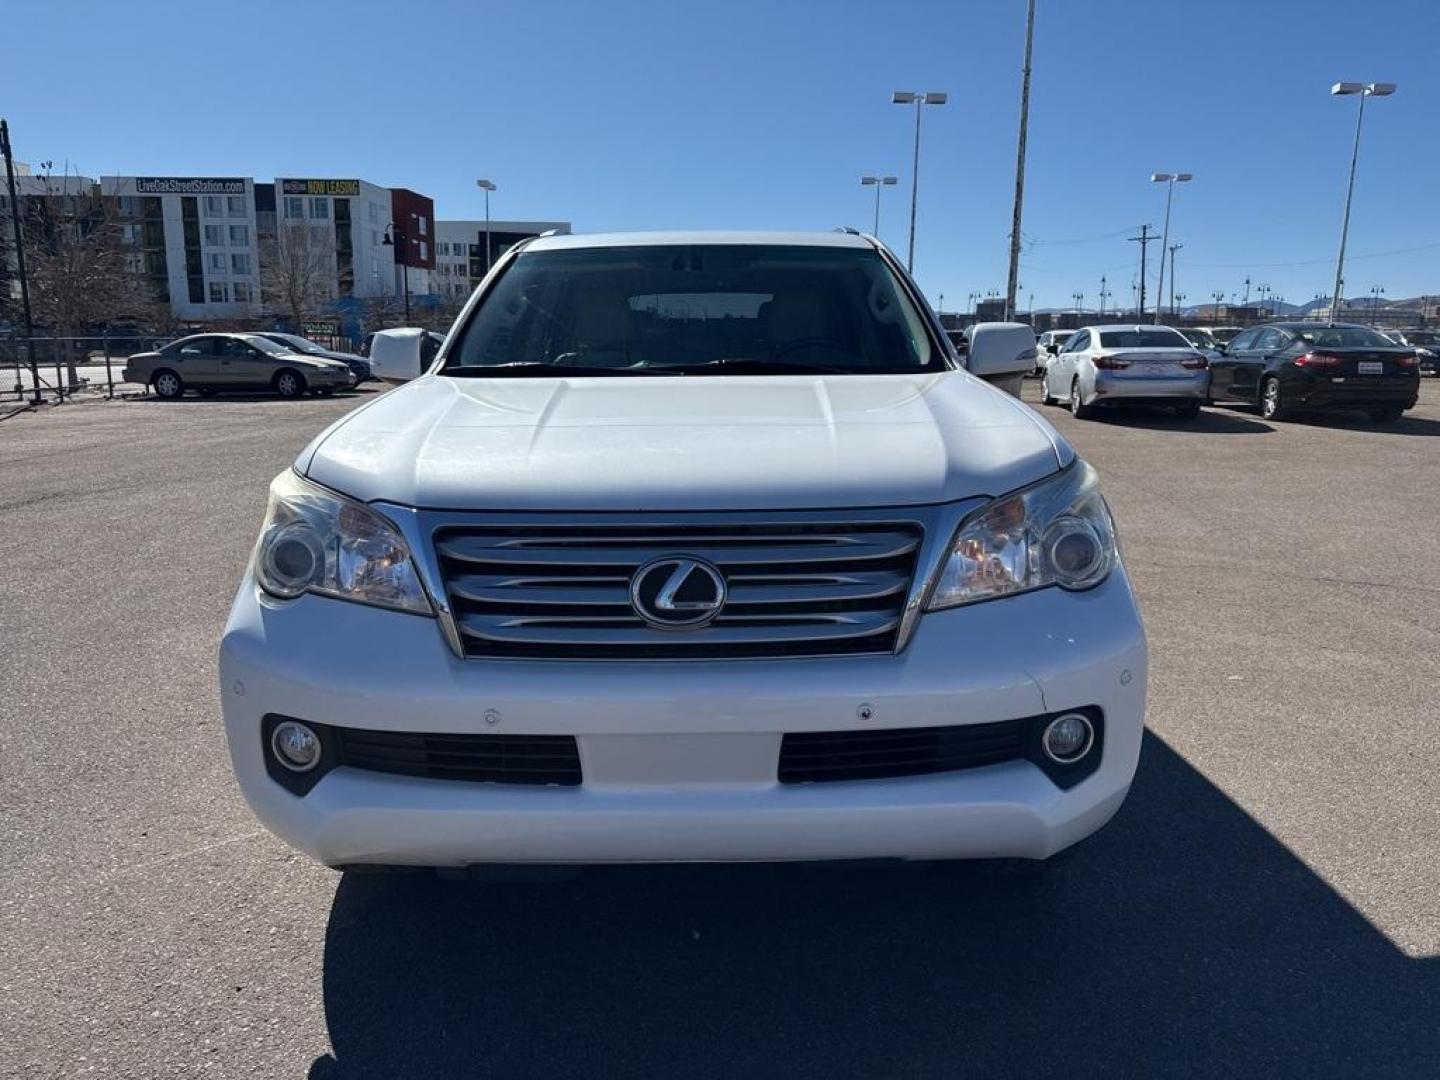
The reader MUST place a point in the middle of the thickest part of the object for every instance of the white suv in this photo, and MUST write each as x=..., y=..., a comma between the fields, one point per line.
x=688, y=547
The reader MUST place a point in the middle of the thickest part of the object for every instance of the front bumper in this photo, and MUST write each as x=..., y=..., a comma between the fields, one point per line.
x=1138, y=389
x=679, y=758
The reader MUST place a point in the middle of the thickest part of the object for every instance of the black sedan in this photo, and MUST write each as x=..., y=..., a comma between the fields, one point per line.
x=1293, y=367
x=358, y=365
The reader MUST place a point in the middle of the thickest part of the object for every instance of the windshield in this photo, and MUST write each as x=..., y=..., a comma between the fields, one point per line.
x=1422, y=337
x=1141, y=338
x=1196, y=337
x=1344, y=337
x=264, y=344
x=1225, y=334
x=696, y=310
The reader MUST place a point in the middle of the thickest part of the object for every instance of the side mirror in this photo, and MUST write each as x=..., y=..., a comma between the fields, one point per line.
x=396, y=355
x=1001, y=353
x=1220, y=348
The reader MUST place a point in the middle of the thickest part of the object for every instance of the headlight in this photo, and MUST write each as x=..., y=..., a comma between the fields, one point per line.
x=317, y=541
x=1058, y=532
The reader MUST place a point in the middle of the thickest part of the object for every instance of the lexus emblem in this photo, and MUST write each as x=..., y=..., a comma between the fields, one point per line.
x=677, y=591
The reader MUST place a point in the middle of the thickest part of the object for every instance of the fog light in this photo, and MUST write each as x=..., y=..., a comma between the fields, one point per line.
x=295, y=746
x=1068, y=738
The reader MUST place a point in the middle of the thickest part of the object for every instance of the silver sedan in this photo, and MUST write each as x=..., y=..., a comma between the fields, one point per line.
x=1127, y=365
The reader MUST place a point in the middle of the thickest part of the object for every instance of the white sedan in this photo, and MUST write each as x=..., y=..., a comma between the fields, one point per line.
x=1127, y=365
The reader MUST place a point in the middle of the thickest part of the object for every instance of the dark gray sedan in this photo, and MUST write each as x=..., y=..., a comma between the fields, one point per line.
x=358, y=365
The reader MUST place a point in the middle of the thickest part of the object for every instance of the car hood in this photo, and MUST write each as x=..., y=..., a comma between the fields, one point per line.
x=674, y=443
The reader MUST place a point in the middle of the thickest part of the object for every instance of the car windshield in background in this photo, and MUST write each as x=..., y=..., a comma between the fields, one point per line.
x=1142, y=339
x=696, y=310
x=297, y=344
x=1344, y=337
x=1422, y=337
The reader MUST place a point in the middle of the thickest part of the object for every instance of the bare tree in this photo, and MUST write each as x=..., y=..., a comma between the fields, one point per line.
x=80, y=272
x=297, y=272
x=379, y=311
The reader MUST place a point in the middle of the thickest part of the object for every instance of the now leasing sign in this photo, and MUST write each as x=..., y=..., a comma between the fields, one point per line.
x=320, y=187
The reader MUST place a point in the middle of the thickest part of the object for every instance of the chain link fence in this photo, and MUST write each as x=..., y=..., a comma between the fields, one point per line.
x=54, y=368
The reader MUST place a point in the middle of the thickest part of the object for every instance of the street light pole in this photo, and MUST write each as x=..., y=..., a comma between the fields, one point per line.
x=1364, y=90
x=918, y=99
x=1169, y=180
x=1012, y=283
x=395, y=237
x=1173, y=248
x=20, y=265
x=877, y=182
x=487, y=187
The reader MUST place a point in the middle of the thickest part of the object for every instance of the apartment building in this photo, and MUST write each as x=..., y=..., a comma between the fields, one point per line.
x=195, y=238
x=461, y=257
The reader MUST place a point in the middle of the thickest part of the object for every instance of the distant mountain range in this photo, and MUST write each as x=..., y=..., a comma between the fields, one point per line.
x=1358, y=305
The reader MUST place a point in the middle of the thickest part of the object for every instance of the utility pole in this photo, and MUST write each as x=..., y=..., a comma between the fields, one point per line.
x=1173, y=248
x=1012, y=283
x=1219, y=296
x=1144, y=240
x=1246, y=301
x=20, y=261
x=1102, y=296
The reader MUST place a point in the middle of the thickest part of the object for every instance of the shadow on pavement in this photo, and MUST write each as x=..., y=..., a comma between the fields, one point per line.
x=229, y=397
x=1208, y=422
x=1182, y=940
x=1408, y=424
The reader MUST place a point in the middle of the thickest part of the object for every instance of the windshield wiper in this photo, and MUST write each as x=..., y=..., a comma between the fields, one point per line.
x=529, y=370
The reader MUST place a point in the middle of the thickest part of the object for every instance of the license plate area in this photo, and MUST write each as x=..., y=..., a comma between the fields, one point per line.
x=1371, y=367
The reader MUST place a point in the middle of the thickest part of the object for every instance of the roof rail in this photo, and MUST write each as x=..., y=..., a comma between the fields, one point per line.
x=848, y=229
x=549, y=232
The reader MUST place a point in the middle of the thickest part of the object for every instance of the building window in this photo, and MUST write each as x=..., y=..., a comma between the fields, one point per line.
x=320, y=209
x=212, y=236
x=214, y=206
x=294, y=206
x=424, y=249
x=421, y=220
x=236, y=204
x=239, y=235
x=128, y=205
x=240, y=263
x=242, y=292
x=217, y=262
x=218, y=292
x=374, y=214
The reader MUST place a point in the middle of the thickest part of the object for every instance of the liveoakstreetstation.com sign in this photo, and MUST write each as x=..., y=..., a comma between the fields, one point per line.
x=320, y=187
x=189, y=185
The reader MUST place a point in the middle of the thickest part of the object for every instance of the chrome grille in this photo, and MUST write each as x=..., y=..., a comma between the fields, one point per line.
x=563, y=591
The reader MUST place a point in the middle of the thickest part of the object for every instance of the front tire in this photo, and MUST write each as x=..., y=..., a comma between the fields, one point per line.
x=289, y=384
x=1272, y=401
x=168, y=386
x=1078, y=408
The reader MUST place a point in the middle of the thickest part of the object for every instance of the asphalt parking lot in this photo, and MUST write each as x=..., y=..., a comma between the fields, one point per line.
x=1266, y=903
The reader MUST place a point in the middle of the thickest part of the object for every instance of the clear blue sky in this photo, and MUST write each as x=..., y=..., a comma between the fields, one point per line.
x=737, y=113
